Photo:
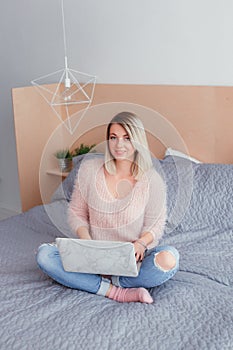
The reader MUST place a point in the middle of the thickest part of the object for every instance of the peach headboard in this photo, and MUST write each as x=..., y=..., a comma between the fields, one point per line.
x=194, y=119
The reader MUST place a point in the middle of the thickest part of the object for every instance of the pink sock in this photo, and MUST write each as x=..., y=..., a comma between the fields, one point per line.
x=127, y=295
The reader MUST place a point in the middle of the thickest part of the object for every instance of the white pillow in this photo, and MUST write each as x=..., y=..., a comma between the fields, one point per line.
x=173, y=152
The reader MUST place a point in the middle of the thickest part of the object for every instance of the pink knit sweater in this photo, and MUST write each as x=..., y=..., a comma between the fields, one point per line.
x=124, y=219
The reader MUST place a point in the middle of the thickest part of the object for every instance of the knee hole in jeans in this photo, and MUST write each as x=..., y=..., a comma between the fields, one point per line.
x=165, y=260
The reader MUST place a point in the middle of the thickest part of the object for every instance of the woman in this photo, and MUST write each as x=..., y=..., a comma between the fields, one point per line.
x=120, y=198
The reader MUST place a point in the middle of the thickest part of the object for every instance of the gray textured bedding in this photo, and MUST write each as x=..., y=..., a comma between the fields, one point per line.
x=191, y=311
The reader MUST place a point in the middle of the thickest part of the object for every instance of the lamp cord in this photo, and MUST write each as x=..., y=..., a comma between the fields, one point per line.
x=67, y=79
x=64, y=28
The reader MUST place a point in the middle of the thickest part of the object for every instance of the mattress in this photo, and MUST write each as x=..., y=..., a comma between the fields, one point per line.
x=193, y=310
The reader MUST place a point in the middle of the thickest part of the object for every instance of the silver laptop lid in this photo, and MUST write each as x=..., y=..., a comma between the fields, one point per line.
x=98, y=257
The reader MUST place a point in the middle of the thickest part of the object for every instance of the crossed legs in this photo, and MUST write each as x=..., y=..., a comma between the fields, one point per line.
x=158, y=266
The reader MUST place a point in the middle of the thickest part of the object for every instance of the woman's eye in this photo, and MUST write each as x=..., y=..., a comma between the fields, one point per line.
x=113, y=138
x=127, y=138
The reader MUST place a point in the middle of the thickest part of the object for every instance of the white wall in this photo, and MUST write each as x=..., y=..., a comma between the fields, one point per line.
x=125, y=41
x=30, y=45
x=155, y=41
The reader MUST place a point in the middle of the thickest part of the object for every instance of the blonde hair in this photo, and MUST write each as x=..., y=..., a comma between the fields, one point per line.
x=136, y=132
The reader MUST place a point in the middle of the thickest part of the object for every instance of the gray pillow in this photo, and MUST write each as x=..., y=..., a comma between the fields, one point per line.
x=64, y=191
x=201, y=193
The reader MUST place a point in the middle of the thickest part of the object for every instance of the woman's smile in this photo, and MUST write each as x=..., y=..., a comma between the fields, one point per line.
x=119, y=153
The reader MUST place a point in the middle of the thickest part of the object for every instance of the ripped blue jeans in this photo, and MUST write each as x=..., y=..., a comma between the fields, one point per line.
x=150, y=274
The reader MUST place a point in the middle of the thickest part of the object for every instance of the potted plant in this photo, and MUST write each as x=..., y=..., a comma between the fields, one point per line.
x=82, y=149
x=64, y=157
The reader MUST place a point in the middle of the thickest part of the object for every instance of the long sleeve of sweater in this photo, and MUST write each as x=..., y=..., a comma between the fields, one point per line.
x=156, y=209
x=78, y=207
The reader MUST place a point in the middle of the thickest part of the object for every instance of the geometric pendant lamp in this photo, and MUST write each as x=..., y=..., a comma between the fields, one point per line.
x=67, y=91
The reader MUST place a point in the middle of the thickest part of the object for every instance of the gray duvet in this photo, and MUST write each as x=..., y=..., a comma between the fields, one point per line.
x=194, y=310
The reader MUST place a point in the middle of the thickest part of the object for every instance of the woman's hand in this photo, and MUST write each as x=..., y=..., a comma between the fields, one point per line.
x=83, y=233
x=139, y=248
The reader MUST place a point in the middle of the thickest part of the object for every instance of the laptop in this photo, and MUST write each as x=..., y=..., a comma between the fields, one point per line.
x=98, y=257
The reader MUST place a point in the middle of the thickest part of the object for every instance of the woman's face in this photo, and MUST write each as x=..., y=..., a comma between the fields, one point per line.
x=120, y=144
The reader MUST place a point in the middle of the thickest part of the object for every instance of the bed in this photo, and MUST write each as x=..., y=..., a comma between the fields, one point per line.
x=193, y=310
